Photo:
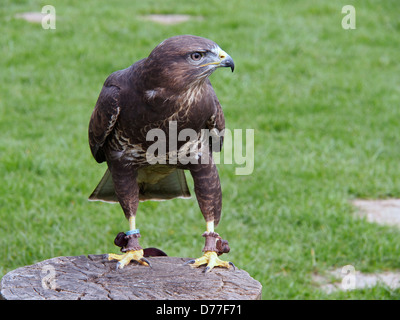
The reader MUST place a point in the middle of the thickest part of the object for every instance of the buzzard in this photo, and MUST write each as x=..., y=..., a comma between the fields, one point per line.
x=167, y=90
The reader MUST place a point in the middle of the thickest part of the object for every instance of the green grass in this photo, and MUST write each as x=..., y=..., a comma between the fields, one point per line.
x=323, y=101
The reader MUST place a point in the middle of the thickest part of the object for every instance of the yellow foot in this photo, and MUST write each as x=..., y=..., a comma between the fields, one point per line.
x=124, y=259
x=211, y=259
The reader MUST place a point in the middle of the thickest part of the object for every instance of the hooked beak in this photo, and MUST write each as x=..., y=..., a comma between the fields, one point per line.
x=226, y=60
x=223, y=60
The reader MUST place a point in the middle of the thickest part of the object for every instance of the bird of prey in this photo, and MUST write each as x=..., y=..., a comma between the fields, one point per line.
x=168, y=89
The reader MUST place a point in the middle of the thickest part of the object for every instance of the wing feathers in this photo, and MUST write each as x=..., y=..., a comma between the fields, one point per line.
x=103, y=119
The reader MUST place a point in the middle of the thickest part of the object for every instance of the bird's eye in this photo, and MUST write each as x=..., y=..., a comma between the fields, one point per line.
x=196, y=56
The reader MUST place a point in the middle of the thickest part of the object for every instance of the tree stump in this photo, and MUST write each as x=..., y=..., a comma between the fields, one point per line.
x=95, y=278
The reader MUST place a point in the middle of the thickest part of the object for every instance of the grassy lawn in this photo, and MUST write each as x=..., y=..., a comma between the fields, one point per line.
x=323, y=101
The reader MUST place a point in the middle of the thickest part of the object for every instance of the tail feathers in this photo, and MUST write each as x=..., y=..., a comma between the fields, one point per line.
x=153, y=185
x=105, y=190
x=172, y=186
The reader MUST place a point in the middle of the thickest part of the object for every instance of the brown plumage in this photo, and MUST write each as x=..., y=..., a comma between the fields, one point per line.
x=170, y=86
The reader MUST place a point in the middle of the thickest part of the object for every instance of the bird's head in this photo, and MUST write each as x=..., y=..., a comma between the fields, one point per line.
x=186, y=60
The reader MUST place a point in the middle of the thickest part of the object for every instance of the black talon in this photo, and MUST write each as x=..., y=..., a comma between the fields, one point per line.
x=189, y=262
x=147, y=261
x=231, y=264
x=206, y=269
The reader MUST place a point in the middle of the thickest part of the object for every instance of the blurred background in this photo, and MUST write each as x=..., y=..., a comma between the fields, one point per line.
x=323, y=101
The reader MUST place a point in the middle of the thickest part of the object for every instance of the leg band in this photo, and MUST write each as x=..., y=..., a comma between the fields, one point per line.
x=128, y=242
x=215, y=243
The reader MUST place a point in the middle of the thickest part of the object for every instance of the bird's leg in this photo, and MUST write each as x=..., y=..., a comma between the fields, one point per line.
x=130, y=246
x=213, y=247
x=209, y=197
x=127, y=192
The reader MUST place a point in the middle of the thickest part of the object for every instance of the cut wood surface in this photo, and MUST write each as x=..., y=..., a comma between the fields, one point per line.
x=94, y=278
